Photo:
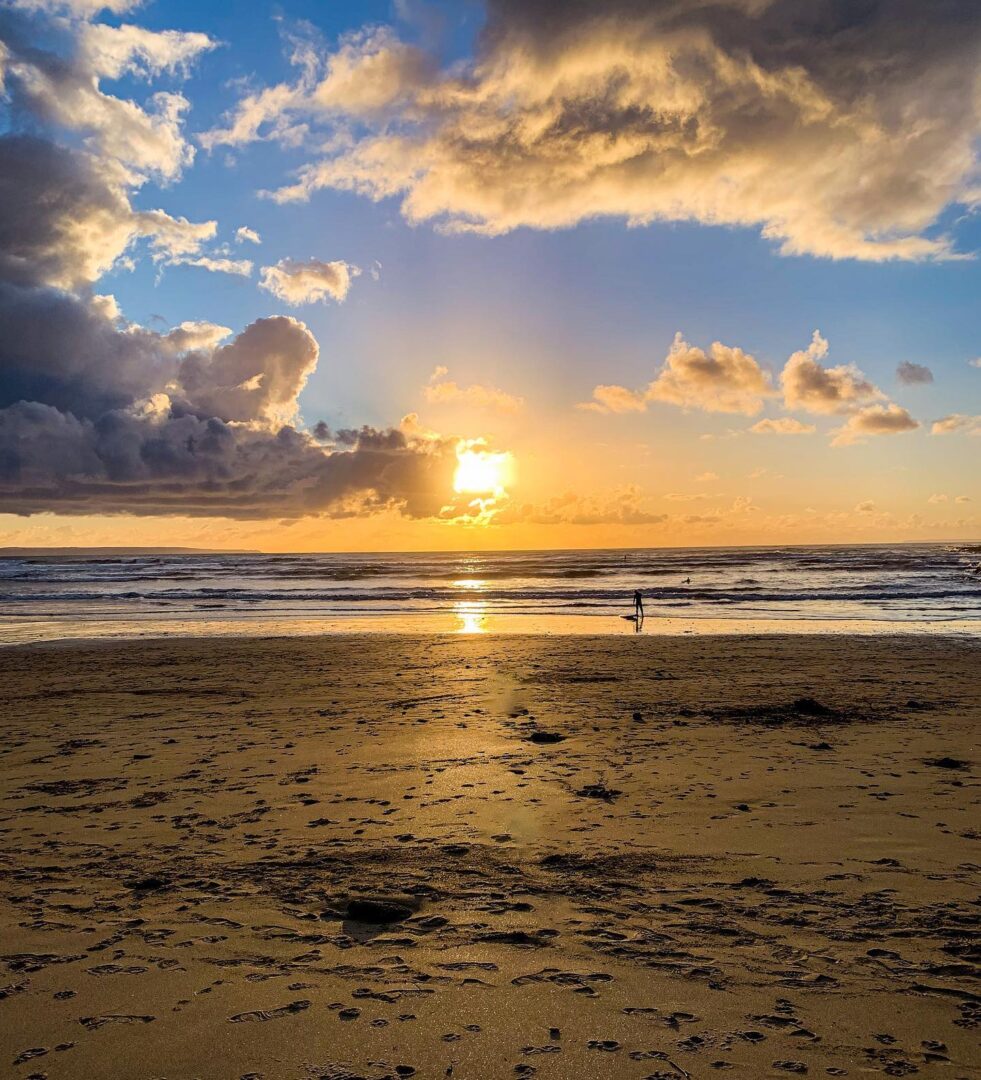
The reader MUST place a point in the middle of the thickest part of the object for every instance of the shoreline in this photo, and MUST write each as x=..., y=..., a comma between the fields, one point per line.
x=28, y=630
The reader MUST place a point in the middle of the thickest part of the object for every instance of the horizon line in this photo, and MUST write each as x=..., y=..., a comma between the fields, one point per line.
x=107, y=549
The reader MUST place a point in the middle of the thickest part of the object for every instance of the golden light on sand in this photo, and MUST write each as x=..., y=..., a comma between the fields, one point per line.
x=481, y=472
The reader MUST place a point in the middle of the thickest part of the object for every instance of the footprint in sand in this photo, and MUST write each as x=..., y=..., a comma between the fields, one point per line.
x=94, y=1022
x=35, y=1051
x=269, y=1014
x=609, y=1045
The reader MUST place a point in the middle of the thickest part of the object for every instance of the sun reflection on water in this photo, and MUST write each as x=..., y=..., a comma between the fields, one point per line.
x=472, y=615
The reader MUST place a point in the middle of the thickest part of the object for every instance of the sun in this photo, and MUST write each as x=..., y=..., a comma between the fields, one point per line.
x=481, y=472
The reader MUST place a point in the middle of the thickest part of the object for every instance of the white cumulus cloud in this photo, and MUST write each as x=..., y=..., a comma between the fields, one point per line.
x=724, y=379
x=297, y=282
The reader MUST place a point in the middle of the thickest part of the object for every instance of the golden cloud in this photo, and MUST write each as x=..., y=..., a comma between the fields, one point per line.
x=836, y=132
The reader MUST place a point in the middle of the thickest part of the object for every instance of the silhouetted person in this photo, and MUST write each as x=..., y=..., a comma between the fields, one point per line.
x=638, y=606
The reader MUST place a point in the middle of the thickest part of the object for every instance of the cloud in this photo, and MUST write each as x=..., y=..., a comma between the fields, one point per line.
x=615, y=399
x=98, y=418
x=66, y=212
x=70, y=353
x=442, y=391
x=196, y=334
x=216, y=264
x=296, y=282
x=257, y=378
x=947, y=425
x=371, y=72
x=101, y=415
x=911, y=374
x=272, y=107
x=114, y=51
x=809, y=386
x=84, y=9
x=976, y=362
x=843, y=391
x=66, y=218
x=782, y=425
x=725, y=380
x=624, y=507
x=53, y=461
x=63, y=222
x=243, y=233
x=76, y=355
x=866, y=507
x=890, y=419
x=62, y=88
x=98, y=415
x=835, y=131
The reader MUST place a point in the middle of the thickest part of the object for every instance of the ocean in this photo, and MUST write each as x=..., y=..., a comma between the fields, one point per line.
x=910, y=586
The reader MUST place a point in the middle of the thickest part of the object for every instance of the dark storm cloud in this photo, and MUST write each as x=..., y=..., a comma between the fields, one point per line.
x=99, y=418
x=370, y=438
x=120, y=462
x=65, y=352
x=98, y=415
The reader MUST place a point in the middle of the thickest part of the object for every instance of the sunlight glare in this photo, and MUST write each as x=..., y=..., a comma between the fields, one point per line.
x=481, y=471
x=472, y=616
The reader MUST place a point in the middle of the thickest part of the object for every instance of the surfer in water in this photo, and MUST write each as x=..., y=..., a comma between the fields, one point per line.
x=638, y=607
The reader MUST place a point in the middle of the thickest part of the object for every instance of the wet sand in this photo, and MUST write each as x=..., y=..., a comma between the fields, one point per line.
x=462, y=618
x=490, y=856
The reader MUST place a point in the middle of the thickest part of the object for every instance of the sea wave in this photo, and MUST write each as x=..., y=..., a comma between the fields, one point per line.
x=906, y=581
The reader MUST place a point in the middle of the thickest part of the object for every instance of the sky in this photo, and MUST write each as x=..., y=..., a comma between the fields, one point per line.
x=410, y=275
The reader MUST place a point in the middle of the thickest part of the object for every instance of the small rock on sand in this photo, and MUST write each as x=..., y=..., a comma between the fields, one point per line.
x=598, y=791
x=148, y=884
x=809, y=707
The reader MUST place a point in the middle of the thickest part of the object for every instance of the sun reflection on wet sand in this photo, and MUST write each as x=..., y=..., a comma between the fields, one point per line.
x=472, y=615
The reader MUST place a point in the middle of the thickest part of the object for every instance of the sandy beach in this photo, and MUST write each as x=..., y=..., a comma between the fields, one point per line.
x=490, y=856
